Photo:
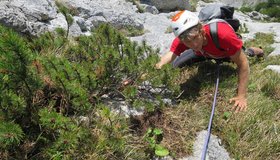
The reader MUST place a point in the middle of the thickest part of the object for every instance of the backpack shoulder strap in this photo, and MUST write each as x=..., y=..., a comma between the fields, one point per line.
x=213, y=25
x=214, y=34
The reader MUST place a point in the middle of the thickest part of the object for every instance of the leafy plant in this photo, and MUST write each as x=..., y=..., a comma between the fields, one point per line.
x=154, y=136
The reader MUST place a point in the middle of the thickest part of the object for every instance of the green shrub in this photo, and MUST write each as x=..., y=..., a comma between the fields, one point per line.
x=272, y=11
x=270, y=8
x=48, y=82
x=246, y=9
x=261, y=6
x=10, y=134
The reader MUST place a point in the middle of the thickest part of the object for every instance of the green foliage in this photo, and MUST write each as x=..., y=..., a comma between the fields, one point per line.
x=260, y=6
x=49, y=42
x=64, y=130
x=161, y=151
x=52, y=120
x=15, y=57
x=265, y=5
x=120, y=59
x=18, y=82
x=49, y=81
x=72, y=82
x=270, y=8
x=111, y=129
x=272, y=12
x=226, y=115
x=154, y=136
x=10, y=134
x=245, y=9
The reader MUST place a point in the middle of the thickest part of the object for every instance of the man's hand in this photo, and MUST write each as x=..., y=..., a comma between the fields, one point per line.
x=240, y=101
x=165, y=59
x=240, y=104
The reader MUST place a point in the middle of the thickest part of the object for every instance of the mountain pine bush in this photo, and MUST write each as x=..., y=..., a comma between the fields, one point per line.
x=48, y=82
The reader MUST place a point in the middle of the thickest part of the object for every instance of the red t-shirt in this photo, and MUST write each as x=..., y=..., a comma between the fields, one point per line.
x=228, y=41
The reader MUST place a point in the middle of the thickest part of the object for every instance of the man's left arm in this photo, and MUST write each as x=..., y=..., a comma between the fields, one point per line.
x=240, y=101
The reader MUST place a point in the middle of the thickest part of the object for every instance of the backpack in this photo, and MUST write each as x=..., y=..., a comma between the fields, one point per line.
x=213, y=13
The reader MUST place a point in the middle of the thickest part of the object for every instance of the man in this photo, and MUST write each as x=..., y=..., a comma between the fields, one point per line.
x=193, y=43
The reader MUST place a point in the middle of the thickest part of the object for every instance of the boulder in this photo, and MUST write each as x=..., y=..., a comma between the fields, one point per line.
x=119, y=13
x=28, y=16
x=168, y=5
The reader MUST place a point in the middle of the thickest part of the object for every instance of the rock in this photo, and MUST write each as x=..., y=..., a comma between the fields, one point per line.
x=157, y=27
x=39, y=10
x=58, y=22
x=28, y=17
x=78, y=27
x=168, y=5
x=123, y=108
x=82, y=24
x=275, y=68
x=119, y=13
x=215, y=149
x=276, y=51
x=149, y=8
x=257, y=16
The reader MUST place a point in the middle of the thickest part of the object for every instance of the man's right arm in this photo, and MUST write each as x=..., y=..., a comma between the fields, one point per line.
x=165, y=59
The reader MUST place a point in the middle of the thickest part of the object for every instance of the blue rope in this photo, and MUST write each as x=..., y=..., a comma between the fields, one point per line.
x=211, y=117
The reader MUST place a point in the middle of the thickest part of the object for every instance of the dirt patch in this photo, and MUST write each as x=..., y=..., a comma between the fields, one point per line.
x=178, y=125
x=140, y=124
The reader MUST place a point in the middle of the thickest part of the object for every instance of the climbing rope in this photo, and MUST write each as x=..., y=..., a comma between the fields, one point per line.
x=204, y=151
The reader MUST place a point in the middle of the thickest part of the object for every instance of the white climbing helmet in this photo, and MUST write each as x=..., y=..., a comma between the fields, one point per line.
x=182, y=21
